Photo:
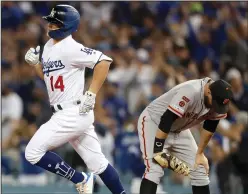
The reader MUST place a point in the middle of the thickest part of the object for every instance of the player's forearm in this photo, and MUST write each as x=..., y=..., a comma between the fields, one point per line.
x=161, y=135
x=204, y=140
x=99, y=76
x=164, y=127
x=159, y=141
x=39, y=72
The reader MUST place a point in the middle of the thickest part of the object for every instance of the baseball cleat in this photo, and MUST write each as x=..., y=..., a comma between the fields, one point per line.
x=87, y=185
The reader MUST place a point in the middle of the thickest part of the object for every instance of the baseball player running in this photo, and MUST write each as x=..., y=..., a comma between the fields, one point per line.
x=63, y=63
x=165, y=138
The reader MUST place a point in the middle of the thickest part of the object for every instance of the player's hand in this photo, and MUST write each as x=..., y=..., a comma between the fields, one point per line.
x=171, y=162
x=32, y=56
x=201, y=159
x=87, y=103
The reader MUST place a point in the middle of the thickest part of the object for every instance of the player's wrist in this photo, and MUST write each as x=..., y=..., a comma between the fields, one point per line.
x=35, y=64
x=90, y=93
x=158, y=145
x=199, y=152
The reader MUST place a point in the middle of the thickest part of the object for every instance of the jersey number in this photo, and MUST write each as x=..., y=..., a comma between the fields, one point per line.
x=59, y=84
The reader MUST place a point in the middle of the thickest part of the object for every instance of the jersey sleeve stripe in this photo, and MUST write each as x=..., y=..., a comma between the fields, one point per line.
x=175, y=111
x=98, y=59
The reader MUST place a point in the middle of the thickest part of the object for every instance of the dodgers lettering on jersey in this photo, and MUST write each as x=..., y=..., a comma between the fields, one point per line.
x=64, y=66
x=50, y=66
x=187, y=101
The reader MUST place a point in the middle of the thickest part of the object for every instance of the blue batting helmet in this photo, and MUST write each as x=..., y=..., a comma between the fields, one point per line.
x=66, y=17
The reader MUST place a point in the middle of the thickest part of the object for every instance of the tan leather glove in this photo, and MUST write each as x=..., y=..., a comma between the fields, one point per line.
x=171, y=162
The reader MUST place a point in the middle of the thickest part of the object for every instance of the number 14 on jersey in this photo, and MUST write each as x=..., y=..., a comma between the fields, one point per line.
x=59, y=83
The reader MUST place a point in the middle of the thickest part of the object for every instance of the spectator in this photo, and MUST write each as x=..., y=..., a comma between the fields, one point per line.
x=115, y=106
x=12, y=110
x=155, y=46
x=96, y=13
x=12, y=16
x=231, y=163
x=206, y=70
x=240, y=98
x=236, y=47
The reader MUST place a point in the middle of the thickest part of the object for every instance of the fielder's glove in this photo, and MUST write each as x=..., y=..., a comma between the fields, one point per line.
x=171, y=162
x=87, y=103
x=32, y=56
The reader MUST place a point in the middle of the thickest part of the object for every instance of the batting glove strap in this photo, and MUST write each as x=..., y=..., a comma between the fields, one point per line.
x=171, y=162
x=87, y=103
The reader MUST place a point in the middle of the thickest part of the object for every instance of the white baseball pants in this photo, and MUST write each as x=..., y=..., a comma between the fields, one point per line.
x=68, y=126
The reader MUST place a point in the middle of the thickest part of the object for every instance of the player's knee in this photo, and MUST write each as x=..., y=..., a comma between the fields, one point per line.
x=32, y=156
x=154, y=173
x=28, y=155
x=199, y=177
x=97, y=165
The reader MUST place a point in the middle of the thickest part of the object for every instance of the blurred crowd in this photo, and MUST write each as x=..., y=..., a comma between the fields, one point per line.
x=155, y=46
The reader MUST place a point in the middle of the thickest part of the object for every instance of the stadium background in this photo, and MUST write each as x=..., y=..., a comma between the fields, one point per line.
x=155, y=46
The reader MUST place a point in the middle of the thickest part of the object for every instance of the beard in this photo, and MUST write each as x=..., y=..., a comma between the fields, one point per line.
x=206, y=102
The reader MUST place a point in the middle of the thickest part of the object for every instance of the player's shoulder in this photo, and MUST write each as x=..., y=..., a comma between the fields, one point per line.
x=76, y=46
x=196, y=85
x=74, y=43
x=70, y=43
x=190, y=86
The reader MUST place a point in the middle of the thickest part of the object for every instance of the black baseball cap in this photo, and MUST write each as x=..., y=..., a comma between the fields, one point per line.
x=221, y=95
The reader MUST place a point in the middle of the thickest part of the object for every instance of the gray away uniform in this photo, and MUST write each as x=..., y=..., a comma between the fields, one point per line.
x=187, y=101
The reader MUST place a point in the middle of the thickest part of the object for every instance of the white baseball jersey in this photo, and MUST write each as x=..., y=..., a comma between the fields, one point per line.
x=64, y=67
x=187, y=101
